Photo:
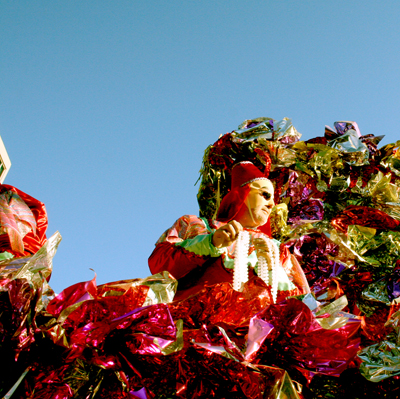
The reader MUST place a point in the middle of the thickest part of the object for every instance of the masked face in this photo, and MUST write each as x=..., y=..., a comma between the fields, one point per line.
x=258, y=205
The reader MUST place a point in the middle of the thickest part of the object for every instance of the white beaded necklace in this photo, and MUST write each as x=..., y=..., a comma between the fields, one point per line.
x=240, y=267
x=241, y=270
x=272, y=263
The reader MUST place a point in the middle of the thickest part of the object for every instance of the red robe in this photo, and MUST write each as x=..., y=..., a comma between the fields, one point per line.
x=194, y=271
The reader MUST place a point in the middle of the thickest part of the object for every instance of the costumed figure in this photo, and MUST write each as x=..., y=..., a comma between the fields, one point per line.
x=234, y=247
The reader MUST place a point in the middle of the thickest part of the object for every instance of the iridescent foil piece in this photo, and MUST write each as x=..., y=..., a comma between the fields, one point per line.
x=16, y=219
x=392, y=209
x=380, y=250
x=296, y=188
x=304, y=153
x=278, y=384
x=382, y=190
x=36, y=267
x=372, y=142
x=333, y=308
x=286, y=132
x=162, y=288
x=22, y=282
x=298, y=340
x=281, y=156
x=353, y=150
x=385, y=290
x=394, y=322
x=316, y=253
x=258, y=332
x=364, y=216
x=219, y=373
x=325, y=161
x=312, y=209
x=278, y=220
x=380, y=361
x=140, y=394
x=339, y=183
x=269, y=129
x=393, y=285
x=343, y=126
x=332, y=316
x=310, y=301
x=362, y=239
x=377, y=292
x=257, y=124
x=391, y=157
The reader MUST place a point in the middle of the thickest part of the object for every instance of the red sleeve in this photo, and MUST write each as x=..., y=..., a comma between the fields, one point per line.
x=174, y=259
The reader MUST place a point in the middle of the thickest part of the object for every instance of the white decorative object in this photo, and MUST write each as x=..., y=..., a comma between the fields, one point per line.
x=5, y=163
x=270, y=264
x=241, y=269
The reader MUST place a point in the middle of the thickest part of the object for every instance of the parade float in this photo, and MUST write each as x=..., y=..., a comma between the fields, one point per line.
x=337, y=212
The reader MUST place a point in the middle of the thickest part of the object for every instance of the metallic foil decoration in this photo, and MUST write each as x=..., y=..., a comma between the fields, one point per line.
x=380, y=361
x=289, y=333
x=24, y=292
x=337, y=213
x=353, y=150
x=278, y=220
x=267, y=128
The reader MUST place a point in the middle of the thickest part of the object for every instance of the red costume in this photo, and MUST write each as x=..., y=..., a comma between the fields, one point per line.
x=187, y=252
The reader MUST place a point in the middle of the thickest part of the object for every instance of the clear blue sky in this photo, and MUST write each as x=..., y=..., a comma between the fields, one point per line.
x=107, y=106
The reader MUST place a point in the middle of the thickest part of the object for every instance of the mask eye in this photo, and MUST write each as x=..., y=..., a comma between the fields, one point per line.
x=266, y=195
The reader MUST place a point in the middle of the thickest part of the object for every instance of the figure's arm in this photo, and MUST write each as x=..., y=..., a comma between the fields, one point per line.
x=175, y=259
x=183, y=248
x=296, y=274
x=180, y=256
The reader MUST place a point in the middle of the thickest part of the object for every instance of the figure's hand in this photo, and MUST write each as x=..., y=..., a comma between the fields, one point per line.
x=227, y=234
x=263, y=249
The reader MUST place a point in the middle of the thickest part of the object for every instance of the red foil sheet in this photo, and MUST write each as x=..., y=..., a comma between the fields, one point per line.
x=364, y=216
x=295, y=339
x=34, y=239
x=228, y=343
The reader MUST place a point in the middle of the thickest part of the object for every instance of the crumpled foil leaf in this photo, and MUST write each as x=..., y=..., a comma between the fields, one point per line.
x=278, y=221
x=381, y=189
x=294, y=333
x=385, y=290
x=325, y=161
x=281, y=156
x=354, y=151
x=23, y=293
x=380, y=361
x=269, y=129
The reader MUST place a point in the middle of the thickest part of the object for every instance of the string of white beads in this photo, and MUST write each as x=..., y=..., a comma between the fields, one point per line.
x=263, y=269
x=272, y=263
x=240, y=268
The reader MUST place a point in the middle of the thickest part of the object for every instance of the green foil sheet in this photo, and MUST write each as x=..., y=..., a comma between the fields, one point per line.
x=380, y=361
